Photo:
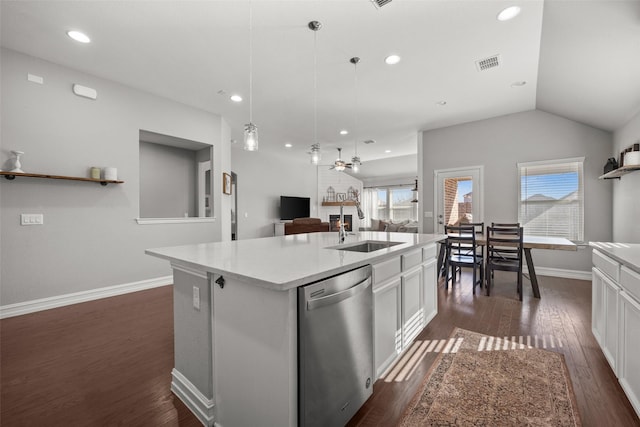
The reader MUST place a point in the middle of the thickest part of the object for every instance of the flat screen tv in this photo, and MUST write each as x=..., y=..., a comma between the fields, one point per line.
x=294, y=207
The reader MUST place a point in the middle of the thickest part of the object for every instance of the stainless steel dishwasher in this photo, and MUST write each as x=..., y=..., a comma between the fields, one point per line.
x=335, y=348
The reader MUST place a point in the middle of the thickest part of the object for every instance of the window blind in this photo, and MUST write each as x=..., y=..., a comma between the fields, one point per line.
x=551, y=199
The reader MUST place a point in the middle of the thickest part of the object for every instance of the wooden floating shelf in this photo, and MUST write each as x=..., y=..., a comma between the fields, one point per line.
x=617, y=173
x=345, y=203
x=12, y=175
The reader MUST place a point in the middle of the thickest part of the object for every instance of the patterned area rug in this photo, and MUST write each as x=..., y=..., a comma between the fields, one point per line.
x=478, y=384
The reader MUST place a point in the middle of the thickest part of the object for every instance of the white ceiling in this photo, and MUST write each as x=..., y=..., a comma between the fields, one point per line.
x=580, y=59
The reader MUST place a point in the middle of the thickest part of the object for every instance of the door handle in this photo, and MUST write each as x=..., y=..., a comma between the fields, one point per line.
x=337, y=297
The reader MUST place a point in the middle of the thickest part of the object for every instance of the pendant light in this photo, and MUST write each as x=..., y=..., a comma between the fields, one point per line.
x=415, y=192
x=315, y=147
x=355, y=160
x=250, y=130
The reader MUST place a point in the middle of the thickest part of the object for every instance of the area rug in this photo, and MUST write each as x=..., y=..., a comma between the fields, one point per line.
x=476, y=384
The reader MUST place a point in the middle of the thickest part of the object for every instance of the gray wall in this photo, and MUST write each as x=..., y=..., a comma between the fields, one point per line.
x=264, y=177
x=499, y=144
x=167, y=181
x=626, y=191
x=89, y=238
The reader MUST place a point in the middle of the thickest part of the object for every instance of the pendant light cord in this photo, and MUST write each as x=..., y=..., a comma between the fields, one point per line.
x=315, y=87
x=250, y=64
x=355, y=113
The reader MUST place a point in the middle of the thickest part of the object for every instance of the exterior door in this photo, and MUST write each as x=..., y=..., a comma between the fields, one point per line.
x=459, y=196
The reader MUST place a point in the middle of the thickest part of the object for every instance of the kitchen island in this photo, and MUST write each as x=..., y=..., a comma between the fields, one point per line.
x=235, y=315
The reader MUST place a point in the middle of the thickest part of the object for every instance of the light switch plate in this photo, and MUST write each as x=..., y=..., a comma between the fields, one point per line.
x=31, y=219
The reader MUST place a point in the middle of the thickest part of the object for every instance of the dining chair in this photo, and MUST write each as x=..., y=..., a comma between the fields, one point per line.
x=504, y=252
x=462, y=251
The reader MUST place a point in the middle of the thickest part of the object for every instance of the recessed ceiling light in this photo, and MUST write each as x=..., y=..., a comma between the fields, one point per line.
x=392, y=59
x=236, y=98
x=509, y=13
x=441, y=103
x=288, y=145
x=344, y=132
x=387, y=151
x=518, y=84
x=78, y=36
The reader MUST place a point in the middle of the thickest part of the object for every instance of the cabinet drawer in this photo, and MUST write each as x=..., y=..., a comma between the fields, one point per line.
x=411, y=259
x=429, y=252
x=386, y=269
x=605, y=264
x=630, y=281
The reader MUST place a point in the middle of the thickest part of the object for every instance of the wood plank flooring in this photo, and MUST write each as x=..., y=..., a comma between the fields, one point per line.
x=108, y=362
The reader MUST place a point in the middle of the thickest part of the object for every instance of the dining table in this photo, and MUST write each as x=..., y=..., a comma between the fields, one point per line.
x=528, y=242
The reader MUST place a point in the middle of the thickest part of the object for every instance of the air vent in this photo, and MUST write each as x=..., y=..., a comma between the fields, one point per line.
x=380, y=3
x=488, y=63
x=369, y=141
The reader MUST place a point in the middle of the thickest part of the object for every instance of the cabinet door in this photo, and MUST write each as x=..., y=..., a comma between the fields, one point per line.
x=629, y=369
x=610, y=339
x=430, y=290
x=597, y=305
x=387, y=326
x=412, y=305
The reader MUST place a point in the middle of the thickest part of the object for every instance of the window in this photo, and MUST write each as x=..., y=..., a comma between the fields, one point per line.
x=552, y=198
x=391, y=203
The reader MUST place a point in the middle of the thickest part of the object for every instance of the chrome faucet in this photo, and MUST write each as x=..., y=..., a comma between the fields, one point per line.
x=342, y=233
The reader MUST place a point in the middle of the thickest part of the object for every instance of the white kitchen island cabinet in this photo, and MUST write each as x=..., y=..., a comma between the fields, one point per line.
x=615, y=317
x=235, y=315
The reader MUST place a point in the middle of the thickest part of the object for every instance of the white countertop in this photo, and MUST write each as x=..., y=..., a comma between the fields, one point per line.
x=286, y=262
x=625, y=253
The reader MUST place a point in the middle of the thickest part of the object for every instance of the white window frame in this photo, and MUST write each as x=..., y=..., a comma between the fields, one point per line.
x=579, y=162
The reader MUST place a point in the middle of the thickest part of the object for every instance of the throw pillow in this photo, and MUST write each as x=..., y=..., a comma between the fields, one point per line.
x=375, y=224
x=383, y=226
x=393, y=227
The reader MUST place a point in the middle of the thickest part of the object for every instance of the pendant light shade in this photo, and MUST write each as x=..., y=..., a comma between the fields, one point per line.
x=250, y=130
x=315, y=154
x=415, y=193
x=250, y=137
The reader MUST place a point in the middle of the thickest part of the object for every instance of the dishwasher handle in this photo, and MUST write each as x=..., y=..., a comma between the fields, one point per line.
x=337, y=297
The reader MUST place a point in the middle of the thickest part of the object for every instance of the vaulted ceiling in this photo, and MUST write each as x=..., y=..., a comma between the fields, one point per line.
x=579, y=59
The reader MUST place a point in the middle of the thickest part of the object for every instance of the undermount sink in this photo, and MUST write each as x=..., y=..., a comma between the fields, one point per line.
x=367, y=246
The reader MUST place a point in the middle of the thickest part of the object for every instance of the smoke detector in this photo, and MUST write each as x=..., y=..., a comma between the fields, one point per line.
x=368, y=141
x=488, y=63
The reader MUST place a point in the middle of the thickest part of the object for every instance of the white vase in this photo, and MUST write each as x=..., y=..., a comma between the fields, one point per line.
x=16, y=162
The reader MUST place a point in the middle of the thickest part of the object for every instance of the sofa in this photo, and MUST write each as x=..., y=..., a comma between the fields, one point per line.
x=405, y=226
x=305, y=225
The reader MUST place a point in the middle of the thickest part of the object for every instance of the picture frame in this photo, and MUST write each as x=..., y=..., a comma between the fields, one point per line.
x=341, y=197
x=226, y=183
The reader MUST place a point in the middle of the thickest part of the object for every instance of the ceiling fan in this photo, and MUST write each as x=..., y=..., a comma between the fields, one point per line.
x=340, y=164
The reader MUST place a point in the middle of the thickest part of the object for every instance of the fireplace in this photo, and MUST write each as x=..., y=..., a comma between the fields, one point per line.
x=334, y=222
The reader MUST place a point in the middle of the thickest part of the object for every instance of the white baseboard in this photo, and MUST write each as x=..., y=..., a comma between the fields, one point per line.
x=199, y=404
x=561, y=272
x=33, y=306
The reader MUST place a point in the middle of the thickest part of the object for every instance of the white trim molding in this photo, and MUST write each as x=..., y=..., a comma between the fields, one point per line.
x=561, y=272
x=33, y=306
x=202, y=407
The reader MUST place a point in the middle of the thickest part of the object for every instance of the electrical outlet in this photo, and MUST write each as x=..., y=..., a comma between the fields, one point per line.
x=31, y=219
x=196, y=298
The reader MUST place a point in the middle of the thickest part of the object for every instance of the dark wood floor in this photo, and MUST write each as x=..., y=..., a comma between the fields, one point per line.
x=108, y=362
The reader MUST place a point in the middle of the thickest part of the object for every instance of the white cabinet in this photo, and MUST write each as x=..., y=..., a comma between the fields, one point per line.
x=597, y=305
x=405, y=300
x=387, y=325
x=629, y=371
x=611, y=312
x=615, y=321
x=412, y=305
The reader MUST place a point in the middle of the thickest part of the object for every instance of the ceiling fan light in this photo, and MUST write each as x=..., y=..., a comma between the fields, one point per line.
x=250, y=137
x=340, y=167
